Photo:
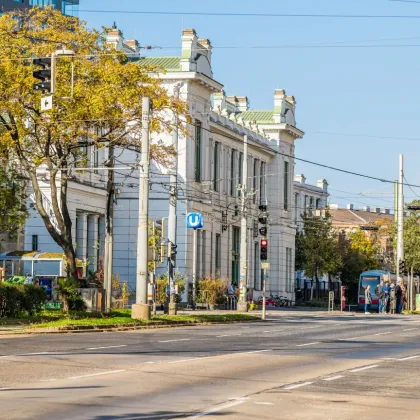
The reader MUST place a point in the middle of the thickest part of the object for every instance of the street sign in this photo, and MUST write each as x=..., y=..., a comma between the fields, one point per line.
x=195, y=221
x=265, y=265
x=46, y=103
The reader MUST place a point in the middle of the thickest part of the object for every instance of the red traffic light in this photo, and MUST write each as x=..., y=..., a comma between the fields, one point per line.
x=264, y=242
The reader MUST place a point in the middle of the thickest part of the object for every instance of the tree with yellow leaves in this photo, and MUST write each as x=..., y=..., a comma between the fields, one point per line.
x=104, y=110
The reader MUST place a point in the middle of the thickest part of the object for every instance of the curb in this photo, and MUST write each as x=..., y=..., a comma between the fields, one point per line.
x=86, y=329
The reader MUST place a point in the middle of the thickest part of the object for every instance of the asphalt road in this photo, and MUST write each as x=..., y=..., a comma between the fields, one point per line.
x=289, y=367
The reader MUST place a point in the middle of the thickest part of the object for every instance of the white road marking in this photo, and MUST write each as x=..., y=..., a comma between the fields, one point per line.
x=187, y=360
x=409, y=358
x=264, y=403
x=298, y=385
x=219, y=408
x=106, y=347
x=411, y=329
x=173, y=341
x=149, y=363
x=389, y=358
x=307, y=344
x=364, y=368
x=225, y=335
x=97, y=374
x=266, y=331
x=48, y=380
x=333, y=378
x=352, y=338
x=383, y=333
x=254, y=351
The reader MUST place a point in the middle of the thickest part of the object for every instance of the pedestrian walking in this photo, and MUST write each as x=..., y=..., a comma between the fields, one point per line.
x=368, y=299
x=381, y=296
x=399, y=297
x=387, y=291
x=392, y=300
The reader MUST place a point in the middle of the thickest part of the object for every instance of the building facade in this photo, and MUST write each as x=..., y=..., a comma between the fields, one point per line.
x=210, y=168
x=68, y=7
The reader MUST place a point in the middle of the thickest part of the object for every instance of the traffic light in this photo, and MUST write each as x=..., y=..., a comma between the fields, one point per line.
x=262, y=207
x=264, y=250
x=263, y=231
x=401, y=266
x=263, y=219
x=46, y=75
x=172, y=251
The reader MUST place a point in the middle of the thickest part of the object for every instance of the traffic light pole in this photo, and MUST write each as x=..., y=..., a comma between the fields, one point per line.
x=400, y=230
x=264, y=298
x=141, y=310
x=172, y=309
x=243, y=304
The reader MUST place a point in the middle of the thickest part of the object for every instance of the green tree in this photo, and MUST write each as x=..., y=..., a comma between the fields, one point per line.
x=318, y=254
x=366, y=247
x=13, y=210
x=105, y=108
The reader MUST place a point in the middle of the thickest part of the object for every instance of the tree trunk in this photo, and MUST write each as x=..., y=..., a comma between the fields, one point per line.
x=312, y=290
x=71, y=261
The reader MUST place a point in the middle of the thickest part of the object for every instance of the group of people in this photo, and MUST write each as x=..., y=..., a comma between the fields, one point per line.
x=391, y=297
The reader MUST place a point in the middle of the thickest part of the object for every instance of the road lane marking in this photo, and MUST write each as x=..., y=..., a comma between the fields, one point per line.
x=219, y=408
x=390, y=358
x=48, y=380
x=225, y=335
x=187, y=360
x=173, y=341
x=106, y=347
x=411, y=329
x=266, y=331
x=409, y=358
x=298, y=385
x=333, y=378
x=308, y=344
x=352, y=338
x=383, y=333
x=364, y=368
x=97, y=374
x=254, y=351
x=264, y=403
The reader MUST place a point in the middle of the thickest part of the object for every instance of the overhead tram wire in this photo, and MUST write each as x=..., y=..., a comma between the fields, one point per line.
x=264, y=15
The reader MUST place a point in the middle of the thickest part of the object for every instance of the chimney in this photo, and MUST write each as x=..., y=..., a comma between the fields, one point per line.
x=134, y=45
x=322, y=183
x=350, y=206
x=243, y=103
x=219, y=101
x=366, y=208
x=300, y=178
x=189, y=49
x=233, y=101
x=377, y=209
x=386, y=211
x=115, y=37
x=279, y=105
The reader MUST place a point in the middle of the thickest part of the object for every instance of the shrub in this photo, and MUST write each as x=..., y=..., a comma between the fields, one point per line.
x=16, y=299
x=212, y=290
x=69, y=296
x=162, y=282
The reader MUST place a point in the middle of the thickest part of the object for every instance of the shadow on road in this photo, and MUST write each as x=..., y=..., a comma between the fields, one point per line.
x=157, y=415
x=50, y=389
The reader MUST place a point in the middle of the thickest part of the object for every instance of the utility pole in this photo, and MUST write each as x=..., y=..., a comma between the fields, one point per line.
x=172, y=309
x=109, y=226
x=242, y=304
x=141, y=310
x=400, y=218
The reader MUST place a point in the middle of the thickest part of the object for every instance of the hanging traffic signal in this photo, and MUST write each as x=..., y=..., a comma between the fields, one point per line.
x=263, y=250
x=46, y=75
x=262, y=207
x=263, y=219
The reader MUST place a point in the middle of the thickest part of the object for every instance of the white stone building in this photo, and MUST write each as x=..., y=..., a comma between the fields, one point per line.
x=209, y=173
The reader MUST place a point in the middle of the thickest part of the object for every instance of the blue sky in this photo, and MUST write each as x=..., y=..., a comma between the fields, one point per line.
x=361, y=94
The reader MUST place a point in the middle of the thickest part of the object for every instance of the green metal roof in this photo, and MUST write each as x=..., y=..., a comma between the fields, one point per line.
x=261, y=117
x=168, y=63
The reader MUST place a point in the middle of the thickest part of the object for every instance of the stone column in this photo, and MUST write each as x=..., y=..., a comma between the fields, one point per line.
x=81, y=236
x=93, y=241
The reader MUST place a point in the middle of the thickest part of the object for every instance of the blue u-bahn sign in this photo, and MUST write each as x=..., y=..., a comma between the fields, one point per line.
x=195, y=221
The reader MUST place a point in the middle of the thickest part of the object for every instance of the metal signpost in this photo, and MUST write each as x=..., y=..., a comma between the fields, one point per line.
x=194, y=221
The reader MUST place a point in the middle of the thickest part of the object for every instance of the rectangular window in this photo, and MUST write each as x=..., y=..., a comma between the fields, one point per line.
x=218, y=253
x=240, y=167
x=286, y=186
x=95, y=157
x=197, y=139
x=262, y=183
x=296, y=207
x=216, y=167
x=257, y=270
x=232, y=173
x=254, y=181
x=34, y=242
